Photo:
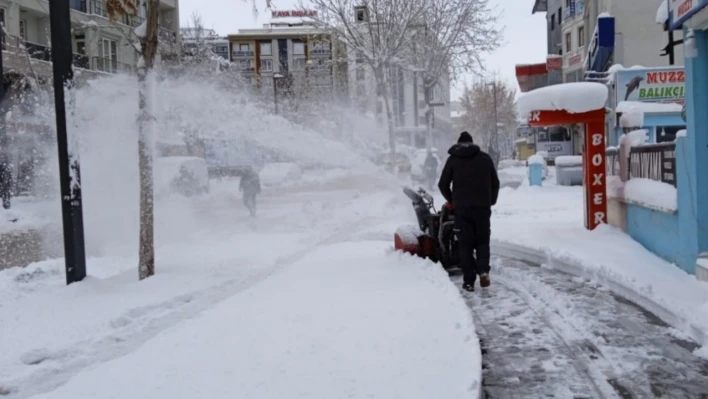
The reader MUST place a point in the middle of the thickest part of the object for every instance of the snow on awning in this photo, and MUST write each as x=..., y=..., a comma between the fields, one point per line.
x=574, y=98
x=649, y=108
x=662, y=14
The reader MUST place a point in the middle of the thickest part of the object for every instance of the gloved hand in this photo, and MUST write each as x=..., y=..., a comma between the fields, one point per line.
x=448, y=205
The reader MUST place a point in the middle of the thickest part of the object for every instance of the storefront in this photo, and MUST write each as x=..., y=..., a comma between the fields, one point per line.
x=691, y=16
x=658, y=93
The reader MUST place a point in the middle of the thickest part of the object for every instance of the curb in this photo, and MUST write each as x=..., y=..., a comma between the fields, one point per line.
x=574, y=267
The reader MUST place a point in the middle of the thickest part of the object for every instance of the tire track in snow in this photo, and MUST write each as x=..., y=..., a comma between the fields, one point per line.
x=626, y=351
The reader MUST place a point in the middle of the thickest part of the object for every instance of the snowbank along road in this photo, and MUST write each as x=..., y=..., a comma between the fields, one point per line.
x=546, y=334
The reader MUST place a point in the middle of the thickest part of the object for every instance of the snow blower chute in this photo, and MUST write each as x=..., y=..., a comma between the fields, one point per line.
x=434, y=238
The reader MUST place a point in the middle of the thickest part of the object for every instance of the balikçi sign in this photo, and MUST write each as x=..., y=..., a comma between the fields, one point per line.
x=657, y=85
x=293, y=13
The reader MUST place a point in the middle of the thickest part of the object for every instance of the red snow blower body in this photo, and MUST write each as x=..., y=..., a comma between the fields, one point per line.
x=434, y=237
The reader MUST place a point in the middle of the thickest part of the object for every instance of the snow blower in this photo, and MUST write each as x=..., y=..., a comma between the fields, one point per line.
x=434, y=238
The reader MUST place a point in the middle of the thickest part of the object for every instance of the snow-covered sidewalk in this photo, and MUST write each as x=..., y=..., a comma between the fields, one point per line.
x=303, y=301
x=348, y=320
x=547, y=222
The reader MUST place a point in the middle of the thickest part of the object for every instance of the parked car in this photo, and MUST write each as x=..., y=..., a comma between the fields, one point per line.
x=186, y=176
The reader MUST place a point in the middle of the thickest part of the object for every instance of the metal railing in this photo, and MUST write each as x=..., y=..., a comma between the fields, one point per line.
x=243, y=53
x=110, y=65
x=654, y=161
x=611, y=156
x=41, y=52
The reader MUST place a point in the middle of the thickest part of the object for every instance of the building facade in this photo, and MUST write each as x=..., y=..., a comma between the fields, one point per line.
x=574, y=40
x=191, y=38
x=291, y=57
x=635, y=34
x=99, y=44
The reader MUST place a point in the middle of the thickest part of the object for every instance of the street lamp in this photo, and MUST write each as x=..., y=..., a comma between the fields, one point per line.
x=69, y=171
x=276, y=77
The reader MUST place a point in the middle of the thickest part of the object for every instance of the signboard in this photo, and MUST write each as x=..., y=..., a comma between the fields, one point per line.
x=574, y=60
x=595, y=180
x=651, y=85
x=293, y=13
x=555, y=148
x=601, y=48
x=682, y=10
x=554, y=62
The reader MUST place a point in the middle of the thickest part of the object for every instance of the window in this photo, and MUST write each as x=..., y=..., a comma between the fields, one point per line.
x=581, y=36
x=667, y=133
x=553, y=21
x=108, y=55
x=299, y=63
x=298, y=48
x=244, y=47
x=360, y=74
x=558, y=133
x=560, y=16
x=568, y=42
x=245, y=64
x=360, y=13
x=266, y=48
x=267, y=65
x=23, y=29
x=81, y=44
x=2, y=16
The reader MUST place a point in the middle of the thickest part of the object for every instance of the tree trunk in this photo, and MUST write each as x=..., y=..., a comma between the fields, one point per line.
x=146, y=263
x=383, y=93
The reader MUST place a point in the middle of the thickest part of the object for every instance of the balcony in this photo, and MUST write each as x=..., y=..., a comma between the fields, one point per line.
x=321, y=52
x=44, y=53
x=575, y=10
x=243, y=54
x=109, y=65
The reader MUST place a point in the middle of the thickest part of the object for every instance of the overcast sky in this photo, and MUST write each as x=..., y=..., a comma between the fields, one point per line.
x=524, y=34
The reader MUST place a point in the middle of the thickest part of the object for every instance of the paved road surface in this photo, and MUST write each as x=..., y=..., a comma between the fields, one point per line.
x=546, y=334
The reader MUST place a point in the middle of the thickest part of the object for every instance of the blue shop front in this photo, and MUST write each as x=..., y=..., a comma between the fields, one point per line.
x=691, y=16
x=658, y=93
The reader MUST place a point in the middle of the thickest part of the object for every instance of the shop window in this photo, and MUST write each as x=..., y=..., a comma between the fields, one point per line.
x=667, y=134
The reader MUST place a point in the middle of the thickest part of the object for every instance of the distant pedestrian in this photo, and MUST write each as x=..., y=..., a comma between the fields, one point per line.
x=430, y=169
x=250, y=187
x=475, y=188
x=5, y=184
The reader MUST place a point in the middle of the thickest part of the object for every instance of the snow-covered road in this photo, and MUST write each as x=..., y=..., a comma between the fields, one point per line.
x=548, y=334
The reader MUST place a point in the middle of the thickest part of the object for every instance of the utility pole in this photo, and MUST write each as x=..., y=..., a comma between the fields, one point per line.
x=69, y=170
x=5, y=172
x=493, y=143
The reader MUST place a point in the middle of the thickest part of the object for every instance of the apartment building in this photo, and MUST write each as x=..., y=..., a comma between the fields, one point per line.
x=99, y=44
x=637, y=38
x=290, y=56
x=191, y=38
x=550, y=73
x=574, y=40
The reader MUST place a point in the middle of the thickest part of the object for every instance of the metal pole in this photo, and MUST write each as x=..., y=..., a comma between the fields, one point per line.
x=5, y=173
x=428, y=116
x=275, y=94
x=670, y=48
x=69, y=171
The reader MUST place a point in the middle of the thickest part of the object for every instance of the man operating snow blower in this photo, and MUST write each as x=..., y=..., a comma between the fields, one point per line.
x=475, y=188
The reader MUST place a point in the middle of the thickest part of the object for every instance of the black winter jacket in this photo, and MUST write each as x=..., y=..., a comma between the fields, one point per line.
x=473, y=177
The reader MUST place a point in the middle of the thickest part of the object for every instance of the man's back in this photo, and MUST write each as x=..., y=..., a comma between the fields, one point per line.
x=472, y=175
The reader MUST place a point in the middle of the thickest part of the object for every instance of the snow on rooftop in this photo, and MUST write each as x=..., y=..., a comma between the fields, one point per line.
x=662, y=13
x=648, y=108
x=574, y=98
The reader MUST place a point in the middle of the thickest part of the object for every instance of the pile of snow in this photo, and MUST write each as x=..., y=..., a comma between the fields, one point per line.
x=569, y=160
x=635, y=138
x=662, y=13
x=681, y=133
x=647, y=108
x=549, y=224
x=537, y=159
x=571, y=97
x=632, y=116
x=274, y=174
x=651, y=194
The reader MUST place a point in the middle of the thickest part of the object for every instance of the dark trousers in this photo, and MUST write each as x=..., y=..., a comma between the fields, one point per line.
x=249, y=199
x=473, y=228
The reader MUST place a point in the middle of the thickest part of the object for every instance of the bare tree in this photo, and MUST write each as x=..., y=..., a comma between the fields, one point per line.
x=478, y=103
x=455, y=36
x=148, y=38
x=376, y=32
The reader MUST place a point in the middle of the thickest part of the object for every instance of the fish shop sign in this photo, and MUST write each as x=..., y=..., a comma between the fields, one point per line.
x=654, y=85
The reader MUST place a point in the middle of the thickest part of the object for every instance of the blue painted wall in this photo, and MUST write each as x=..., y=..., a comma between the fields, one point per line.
x=650, y=123
x=656, y=231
